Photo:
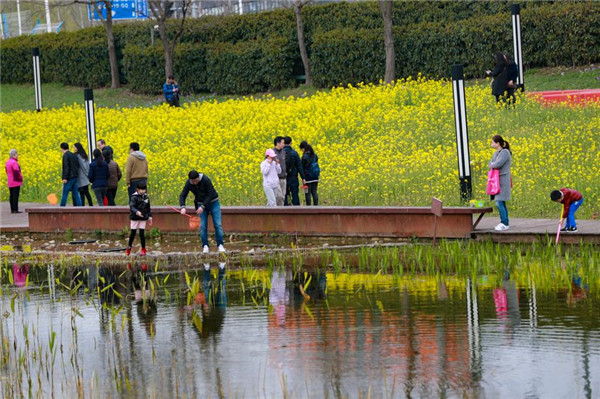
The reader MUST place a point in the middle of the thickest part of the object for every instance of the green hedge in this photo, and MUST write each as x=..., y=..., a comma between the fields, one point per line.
x=256, y=52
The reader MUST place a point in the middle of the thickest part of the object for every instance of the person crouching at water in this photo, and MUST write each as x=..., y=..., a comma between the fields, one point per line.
x=271, y=169
x=140, y=212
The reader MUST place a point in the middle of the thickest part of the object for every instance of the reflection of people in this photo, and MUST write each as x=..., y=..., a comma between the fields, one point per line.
x=20, y=274
x=214, y=307
x=578, y=291
x=309, y=286
x=279, y=296
x=145, y=300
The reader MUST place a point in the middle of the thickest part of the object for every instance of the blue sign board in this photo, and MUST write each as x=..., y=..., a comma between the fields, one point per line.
x=120, y=9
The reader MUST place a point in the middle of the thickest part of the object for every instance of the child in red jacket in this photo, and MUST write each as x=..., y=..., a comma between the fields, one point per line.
x=571, y=200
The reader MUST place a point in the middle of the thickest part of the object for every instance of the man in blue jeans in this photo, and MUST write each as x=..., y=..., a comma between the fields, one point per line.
x=206, y=201
x=70, y=172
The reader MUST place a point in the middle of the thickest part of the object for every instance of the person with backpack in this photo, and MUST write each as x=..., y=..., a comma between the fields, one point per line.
x=294, y=167
x=312, y=172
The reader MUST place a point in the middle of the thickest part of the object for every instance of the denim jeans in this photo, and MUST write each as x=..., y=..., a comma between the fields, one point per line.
x=70, y=185
x=292, y=186
x=214, y=208
x=503, y=212
x=100, y=194
x=571, y=215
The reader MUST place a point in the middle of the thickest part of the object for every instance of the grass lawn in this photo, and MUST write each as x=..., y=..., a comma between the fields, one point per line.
x=20, y=97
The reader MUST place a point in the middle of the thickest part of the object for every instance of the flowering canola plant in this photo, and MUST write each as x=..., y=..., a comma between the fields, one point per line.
x=377, y=145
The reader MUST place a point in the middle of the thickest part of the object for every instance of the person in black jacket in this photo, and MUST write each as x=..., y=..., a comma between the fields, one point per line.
x=70, y=175
x=309, y=160
x=139, y=213
x=500, y=75
x=512, y=71
x=293, y=166
x=206, y=201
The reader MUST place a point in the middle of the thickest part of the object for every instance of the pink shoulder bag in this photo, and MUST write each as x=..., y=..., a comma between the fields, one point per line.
x=493, y=182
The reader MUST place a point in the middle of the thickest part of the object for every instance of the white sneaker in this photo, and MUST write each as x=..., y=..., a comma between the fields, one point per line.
x=501, y=227
x=205, y=249
x=221, y=248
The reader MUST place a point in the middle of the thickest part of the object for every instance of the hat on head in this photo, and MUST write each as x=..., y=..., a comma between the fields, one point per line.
x=270, y=153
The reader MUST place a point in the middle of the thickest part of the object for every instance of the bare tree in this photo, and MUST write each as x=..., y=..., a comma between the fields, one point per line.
x=110, y=37
x=160, y=11
x=388, y=35
x=298, y=4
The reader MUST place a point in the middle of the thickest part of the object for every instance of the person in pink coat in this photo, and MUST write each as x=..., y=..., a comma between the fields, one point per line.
x=15, y=180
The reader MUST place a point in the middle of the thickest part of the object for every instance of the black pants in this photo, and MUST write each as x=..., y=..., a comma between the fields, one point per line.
x=174, y=102
x=132, y=237
x=111, y=194
x=84, y=192
x=14, y=198
x=312, y=192
x=291, y=189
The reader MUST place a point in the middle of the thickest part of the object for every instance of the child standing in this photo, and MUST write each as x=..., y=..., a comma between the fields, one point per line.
x=139, y=206
x=571, y=200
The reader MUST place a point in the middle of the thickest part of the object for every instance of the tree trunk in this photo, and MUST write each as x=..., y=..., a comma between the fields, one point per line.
x=388, y=35
x=167, y=48
x=112, y=51
x=301, y=42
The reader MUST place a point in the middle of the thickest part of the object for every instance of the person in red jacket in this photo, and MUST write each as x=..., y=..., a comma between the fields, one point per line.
x=571, y=200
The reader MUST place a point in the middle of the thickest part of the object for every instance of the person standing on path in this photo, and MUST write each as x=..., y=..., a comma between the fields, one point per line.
x=279, y=144
x=99, y=175
x=206, y=201
x=500, y=75
x=270, y=169
x=70, y=175
x=14, y=179
x=82, y=178
x=310, y=164
x=501, y=160
x=113, y=179
x=294, y=167
x=139, y=213
x=136, y=169
x=101, y=144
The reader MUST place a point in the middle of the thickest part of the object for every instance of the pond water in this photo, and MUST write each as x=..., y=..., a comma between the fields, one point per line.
x=260, y=333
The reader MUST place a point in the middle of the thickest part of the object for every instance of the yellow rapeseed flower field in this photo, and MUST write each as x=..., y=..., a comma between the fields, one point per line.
x=377, y=145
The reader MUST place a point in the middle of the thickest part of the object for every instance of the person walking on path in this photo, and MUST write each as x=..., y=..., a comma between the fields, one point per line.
x=206, y=201
x=171, y=91
x=310, y=164
x=279, y=144
x=294, y=167
x=82, y=178
x=99, y=175
x=136, y=169
x=139, y=213
x=500, y=75
x=571, y=200
x=70, y=175
x=271, y=170
x=501, y=160
x=114, y=175
x=14, y=179
x=101, y=144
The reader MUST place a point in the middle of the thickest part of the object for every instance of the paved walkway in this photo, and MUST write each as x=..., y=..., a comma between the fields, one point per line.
x=14, y=221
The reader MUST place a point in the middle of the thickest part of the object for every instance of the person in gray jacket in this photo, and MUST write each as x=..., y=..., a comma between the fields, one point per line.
x=82, y=177
x=279, y=145
x=501, y=160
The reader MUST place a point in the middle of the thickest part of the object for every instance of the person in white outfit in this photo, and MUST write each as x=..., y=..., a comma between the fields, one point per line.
x=271, y=169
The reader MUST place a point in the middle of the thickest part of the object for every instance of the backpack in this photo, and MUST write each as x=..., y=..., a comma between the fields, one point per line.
x=314, y=171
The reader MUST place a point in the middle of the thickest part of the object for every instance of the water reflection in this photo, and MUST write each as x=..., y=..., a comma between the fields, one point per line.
x=259, y=333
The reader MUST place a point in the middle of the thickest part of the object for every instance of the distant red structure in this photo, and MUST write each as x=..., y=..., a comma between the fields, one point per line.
x=567, y=96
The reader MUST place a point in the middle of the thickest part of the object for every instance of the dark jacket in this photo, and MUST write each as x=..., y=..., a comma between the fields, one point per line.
x=307, y=160
x=569, y=196
x=500, y=83
x=281, y=157
x=139, y=203
x=512, y=71
x=114, y=175
x=98, y=174
x=204, y=192
x=293, y=164
x=70, y=166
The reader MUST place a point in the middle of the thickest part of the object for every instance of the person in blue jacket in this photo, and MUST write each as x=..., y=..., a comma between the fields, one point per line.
x=171, y=91
x=98, y=176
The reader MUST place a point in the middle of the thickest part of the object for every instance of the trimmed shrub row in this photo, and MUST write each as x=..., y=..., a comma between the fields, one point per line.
x=257, y=52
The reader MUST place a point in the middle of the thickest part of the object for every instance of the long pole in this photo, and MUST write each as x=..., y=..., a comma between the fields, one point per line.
x=518, y=53
x=37, y=81
x=462, y=133
x=48, y=22
x=90, y=121
x=241, y=5
x=19, y=17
